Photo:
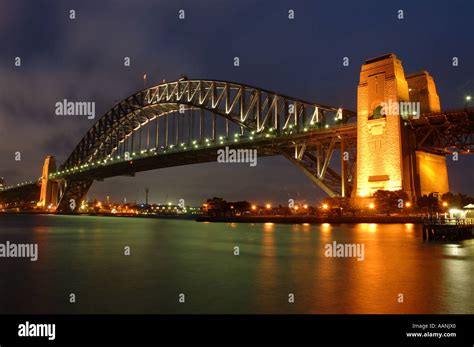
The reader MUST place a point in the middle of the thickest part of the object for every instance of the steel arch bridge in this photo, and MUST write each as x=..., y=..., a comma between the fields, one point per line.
x=184, y=122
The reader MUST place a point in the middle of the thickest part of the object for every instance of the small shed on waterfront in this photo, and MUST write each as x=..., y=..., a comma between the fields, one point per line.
x=469, y=209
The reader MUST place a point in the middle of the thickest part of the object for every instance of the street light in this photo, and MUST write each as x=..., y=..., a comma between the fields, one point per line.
x=268, y=206
x=445, y=204
x=468, y=98
x=325, y=206
x=408, y=204
x=371, y=206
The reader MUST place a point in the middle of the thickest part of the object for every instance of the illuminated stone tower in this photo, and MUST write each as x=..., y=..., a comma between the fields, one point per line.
x=386, y=150
x=49, y=189
x=379, y=143
x=429, y=171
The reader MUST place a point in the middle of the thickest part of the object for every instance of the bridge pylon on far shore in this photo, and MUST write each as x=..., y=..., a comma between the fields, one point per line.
x=49, y=193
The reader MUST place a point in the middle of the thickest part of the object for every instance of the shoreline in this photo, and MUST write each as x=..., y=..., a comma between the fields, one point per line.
x=313, y=219
x=186, y=217
x=251, y=219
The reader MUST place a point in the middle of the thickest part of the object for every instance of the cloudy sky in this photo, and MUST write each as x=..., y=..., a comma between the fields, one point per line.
x=82, y=59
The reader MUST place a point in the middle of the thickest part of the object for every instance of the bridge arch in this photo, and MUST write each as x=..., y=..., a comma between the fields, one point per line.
x=250, y=108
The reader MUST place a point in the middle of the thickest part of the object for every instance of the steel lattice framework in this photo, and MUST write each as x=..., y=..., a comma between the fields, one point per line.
x=445, y=132
x=252, y=109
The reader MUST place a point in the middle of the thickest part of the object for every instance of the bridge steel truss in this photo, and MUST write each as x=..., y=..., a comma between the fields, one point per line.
x=315, y=155
x=251, y=108
x=445, y=132
x=187, y=113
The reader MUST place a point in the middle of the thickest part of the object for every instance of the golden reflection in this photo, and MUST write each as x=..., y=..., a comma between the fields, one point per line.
x=409, y=227
x=326, y=227
x=325, y=235
x=366, y=227
x=267, y=271
x=268, y=226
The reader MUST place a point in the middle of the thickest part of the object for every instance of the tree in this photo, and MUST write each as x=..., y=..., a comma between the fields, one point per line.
x=216, y=206
x=241, y=206
x=428, y=202
x=388, y=201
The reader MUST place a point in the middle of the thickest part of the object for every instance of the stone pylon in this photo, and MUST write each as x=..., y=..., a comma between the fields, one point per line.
x=49, y=189
x=387, y=157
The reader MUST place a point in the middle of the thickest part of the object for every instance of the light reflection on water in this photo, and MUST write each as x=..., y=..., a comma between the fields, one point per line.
x=85, y=255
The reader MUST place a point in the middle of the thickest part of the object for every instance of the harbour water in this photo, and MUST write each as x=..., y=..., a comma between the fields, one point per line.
x=85, y=256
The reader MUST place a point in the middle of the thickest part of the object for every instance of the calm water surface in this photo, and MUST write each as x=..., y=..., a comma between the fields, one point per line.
x=85, y=256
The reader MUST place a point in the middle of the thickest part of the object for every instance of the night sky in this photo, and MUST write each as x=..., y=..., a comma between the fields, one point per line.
x=82, y=60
